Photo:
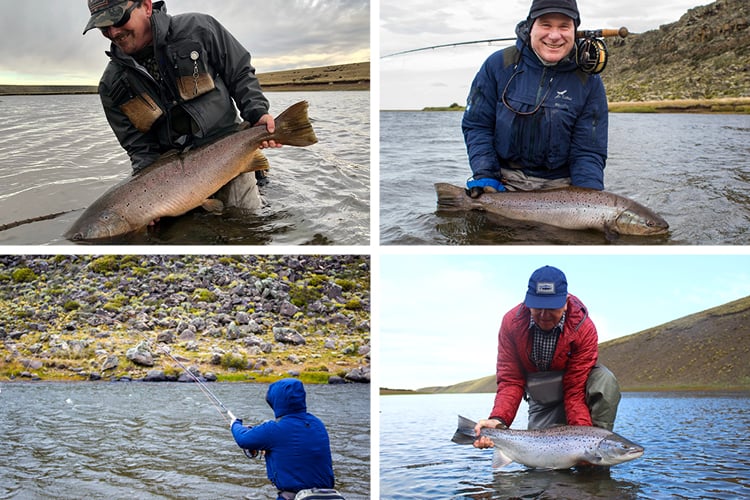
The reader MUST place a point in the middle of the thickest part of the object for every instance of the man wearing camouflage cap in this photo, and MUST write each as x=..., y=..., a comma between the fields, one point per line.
x=172, y=83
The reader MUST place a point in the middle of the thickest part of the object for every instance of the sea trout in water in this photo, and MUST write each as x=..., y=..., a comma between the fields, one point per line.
x=178, y=183
x=558, y=447
x=569, y=208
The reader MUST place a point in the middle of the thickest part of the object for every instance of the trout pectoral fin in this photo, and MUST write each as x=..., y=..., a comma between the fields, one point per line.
x=259, y=162
x=212, y=205
x=499, y=459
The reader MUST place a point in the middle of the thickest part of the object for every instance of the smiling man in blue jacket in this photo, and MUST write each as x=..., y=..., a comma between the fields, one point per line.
x=534, y=120
x=296, y=444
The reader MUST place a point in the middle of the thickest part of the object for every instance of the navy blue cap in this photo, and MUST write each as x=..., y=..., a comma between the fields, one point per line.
x=565, y=7
x=548, y=289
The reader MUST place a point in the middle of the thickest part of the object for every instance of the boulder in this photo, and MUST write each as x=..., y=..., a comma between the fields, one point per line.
x=288, y=309
x=165, y=337
x=288, y=336
x=140, y=355
x=155, y=376
x=110, y=363
x=361, y=374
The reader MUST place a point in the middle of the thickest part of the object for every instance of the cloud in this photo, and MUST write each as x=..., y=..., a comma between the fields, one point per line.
x=41, y=40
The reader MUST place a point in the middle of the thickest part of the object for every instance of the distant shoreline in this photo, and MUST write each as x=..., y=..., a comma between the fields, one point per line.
x=725, y=105
x=341, y=77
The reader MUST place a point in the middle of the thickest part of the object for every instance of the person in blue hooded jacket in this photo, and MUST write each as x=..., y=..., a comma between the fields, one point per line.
x=296, y=444
x=534, y=120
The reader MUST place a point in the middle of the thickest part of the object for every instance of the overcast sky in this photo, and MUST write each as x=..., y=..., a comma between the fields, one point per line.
x=441, y=77
x=41, y=41
x=440, y=314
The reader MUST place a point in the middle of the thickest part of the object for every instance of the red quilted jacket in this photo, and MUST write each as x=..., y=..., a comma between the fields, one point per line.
x=576, y=353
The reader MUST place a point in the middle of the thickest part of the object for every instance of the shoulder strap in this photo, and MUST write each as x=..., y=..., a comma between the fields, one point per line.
x=511, y=55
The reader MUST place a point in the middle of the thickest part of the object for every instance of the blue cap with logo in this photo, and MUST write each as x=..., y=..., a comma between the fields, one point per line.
x=548, y=289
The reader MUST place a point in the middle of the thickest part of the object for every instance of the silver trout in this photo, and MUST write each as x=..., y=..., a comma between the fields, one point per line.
x=558, y=447
x=569, y=208
x=179, y=182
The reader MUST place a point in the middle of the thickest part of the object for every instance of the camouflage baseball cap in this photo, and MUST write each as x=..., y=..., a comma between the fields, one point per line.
x=105, y=13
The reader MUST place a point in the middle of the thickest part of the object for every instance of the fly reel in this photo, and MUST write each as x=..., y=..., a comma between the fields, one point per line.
x=591, y=55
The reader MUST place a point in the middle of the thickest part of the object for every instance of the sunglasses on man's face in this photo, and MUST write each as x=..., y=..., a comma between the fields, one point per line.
x=124, y=19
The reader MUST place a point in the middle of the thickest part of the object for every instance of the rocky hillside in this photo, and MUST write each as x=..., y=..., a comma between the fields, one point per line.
x=707, y=351
x=704, y=55
x=231, y=317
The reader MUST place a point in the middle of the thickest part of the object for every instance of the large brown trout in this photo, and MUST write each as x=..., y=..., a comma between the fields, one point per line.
x=180, y=182
x=569, y=208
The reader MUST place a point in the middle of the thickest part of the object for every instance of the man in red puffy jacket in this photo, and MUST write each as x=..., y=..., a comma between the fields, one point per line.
x=547, y=350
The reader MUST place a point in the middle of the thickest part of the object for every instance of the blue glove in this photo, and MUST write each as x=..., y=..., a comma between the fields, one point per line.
x=475, y=187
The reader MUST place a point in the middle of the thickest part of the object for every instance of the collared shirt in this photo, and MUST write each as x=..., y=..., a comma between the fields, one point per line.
x=544, y=344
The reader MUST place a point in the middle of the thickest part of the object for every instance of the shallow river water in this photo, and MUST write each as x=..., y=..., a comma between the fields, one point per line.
x=159, y=441
x=58, y=153
x=693, y=170
x=696, y=447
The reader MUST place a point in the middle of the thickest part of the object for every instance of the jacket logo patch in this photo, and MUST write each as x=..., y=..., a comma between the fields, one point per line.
x=562, y=95
x=545, y=288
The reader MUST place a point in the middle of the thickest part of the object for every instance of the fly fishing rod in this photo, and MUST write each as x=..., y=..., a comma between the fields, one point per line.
x=207, y=392
x=600, y=33
x=203, y=387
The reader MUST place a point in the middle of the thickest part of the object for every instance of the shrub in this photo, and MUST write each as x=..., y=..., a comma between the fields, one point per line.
x=353, y=304
x=105, y=264
x=203, y=295
x=71, y=305
x=230, y=360
x=23, y=275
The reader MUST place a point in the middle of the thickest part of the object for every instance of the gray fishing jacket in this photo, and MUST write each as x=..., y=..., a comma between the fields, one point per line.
x=203, y=68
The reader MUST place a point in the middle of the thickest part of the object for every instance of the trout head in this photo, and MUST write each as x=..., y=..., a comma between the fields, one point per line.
x=98, y=226
x=615, y=449
x=639, y=221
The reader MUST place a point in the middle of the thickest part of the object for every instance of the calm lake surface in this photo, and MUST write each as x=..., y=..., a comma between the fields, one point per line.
x=159, y=441
x=58, y=153
x=696, y=447
x=693, y=170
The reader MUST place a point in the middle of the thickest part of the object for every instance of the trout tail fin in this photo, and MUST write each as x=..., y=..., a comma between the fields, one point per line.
x=450, y=197
x=293, y=126
x=465, y=432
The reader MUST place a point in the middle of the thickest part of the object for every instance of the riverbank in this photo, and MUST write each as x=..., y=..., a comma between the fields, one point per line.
x=733, y=105
x=355, y=76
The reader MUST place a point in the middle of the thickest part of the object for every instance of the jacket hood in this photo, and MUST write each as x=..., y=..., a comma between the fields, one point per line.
x=286, y=396
x=523, y=44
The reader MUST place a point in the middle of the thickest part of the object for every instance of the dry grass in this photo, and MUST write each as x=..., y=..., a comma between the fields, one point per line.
x=721, y=105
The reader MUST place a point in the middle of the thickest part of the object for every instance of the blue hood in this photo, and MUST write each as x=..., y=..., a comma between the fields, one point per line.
x=286, y=396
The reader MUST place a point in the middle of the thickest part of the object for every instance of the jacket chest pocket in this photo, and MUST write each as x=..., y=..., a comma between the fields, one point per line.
x=135, y=102
x=192, y=75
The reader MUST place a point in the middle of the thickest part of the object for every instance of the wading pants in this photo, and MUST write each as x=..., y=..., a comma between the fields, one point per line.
x=241, y=192
x=602, y=398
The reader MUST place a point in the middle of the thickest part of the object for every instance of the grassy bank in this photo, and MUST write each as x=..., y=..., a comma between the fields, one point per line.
x=737, y=105
x=354, y=76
